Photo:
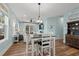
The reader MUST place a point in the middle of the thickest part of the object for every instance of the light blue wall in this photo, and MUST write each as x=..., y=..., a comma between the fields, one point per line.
x=57, y=26
x=8, y=40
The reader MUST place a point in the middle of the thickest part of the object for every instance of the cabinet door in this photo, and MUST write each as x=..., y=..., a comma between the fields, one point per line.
x=77, y=40
x=74, y=42
x=69, y=39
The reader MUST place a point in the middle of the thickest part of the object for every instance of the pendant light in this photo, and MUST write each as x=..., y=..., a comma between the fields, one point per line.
x=39, y=18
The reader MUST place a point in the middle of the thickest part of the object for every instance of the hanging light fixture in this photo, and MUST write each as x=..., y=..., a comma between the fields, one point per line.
x=39, y=18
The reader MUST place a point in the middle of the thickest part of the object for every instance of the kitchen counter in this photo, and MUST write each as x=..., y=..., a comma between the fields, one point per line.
x=42, y=37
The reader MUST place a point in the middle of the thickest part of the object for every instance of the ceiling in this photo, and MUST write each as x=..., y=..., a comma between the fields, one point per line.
x=30, y=10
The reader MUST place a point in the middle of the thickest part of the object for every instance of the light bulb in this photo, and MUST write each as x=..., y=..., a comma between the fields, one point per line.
x=76, y=24
x=39, y=21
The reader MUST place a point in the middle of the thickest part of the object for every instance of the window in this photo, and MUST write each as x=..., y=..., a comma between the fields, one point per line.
x=2, y=25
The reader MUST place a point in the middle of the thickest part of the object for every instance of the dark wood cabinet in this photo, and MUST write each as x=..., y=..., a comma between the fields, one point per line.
x=72, y=37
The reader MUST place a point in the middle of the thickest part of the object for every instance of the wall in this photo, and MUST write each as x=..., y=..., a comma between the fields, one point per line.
x=8, y=40
x=54, y=25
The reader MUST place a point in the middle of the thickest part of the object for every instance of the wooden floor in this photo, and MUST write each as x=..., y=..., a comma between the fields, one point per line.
x=19, y=49
x=64, y=50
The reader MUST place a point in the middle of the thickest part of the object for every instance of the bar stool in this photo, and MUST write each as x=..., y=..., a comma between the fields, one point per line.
x=45, y=45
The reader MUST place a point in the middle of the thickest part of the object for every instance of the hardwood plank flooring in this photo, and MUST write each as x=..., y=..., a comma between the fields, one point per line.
x=19, y=49
x=64, y=50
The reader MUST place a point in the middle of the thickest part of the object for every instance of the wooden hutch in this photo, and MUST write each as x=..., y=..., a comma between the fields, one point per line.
x=72, y=37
